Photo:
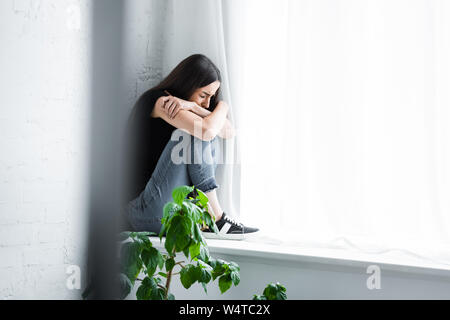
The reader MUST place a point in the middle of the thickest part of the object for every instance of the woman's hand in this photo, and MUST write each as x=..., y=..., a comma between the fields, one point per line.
x=173, y=105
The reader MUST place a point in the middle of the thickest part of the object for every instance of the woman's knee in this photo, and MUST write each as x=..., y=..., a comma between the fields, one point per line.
x=189, y=149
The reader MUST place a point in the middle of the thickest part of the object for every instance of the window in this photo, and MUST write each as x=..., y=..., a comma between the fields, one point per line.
x=344, y=114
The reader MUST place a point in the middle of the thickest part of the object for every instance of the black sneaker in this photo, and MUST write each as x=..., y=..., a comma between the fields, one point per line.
x=229, y=229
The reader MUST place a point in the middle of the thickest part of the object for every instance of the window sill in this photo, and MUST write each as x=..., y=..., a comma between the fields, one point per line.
x=269, y=253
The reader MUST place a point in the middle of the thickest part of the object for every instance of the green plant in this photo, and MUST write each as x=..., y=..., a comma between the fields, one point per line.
x=273, y=291
x=181, y=223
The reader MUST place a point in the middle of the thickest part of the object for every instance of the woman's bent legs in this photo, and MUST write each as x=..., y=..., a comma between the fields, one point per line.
x=214, y=204
x=185, y=160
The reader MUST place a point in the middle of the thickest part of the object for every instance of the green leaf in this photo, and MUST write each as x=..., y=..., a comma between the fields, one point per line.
x=194, y=250
x=234, y=266
x=212, y=262
x=144, y=234
x=162, y=232
x=188, y=275
x=162, y=274
x=170, y=263
x=180, y=193
x=142, y=238
x=152, y=258
x=204, y=272
x=170, y=297
x=178, y=235
x=131, y=263
x=210, y=223
x=270, y=291
x=124, y=236
x=186, y=208
x=204, y=253
x=144, y=292
x=125, y=286
x=259, y=297
x=197, y=235
x=275, y=292
x=186, y=250
x=158, y=294
x=161, y=261
x=202, y=198
x=281, y=293
x=170, y=243
x=220, y=267
x=193, y=211
x=149, y=290
x=168, y=211
x=235, y=277
x=224, y=283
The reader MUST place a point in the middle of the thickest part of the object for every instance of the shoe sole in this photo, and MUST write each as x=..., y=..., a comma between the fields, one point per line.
x=218, y=236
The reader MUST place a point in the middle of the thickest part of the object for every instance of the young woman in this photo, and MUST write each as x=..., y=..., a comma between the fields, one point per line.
x=187, y=99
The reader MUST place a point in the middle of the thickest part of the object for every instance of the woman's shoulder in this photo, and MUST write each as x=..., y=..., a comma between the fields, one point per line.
x=144, y=105
x=152, y=95
x=148, y=99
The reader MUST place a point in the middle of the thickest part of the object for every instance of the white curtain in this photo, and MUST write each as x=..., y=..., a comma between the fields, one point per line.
x=345, y=122
x=196, y=26
x=343, y=116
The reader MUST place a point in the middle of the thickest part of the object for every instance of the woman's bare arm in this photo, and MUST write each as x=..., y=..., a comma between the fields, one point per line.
x=227, y=130
x=177, y=104
x=206, y=128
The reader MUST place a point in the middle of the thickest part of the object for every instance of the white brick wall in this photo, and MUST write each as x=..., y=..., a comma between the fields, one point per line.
x=44, y=118
x=44, y=83
x=144, y=36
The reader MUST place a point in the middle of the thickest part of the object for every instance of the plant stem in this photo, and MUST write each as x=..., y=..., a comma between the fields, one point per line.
x=169, y=278
x=162, y=287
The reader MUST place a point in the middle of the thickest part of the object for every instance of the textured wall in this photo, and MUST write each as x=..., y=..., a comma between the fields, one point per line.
x=44, y=119
x=144, y=36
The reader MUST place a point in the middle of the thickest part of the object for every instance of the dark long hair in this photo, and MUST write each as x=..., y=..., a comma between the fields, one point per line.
x=196, y=71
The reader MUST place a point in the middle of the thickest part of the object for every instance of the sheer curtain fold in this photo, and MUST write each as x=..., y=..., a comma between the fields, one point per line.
x=352, y=124
x=197, y=26
x=342, y=109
